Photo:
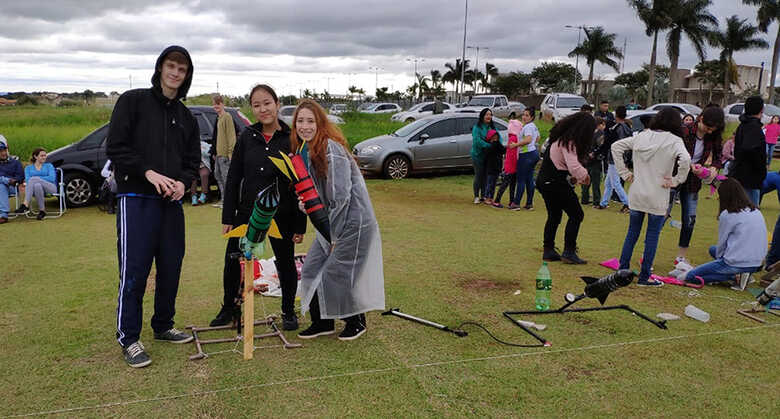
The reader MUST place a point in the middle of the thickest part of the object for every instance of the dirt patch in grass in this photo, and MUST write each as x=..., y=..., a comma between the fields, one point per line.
x=473, y=282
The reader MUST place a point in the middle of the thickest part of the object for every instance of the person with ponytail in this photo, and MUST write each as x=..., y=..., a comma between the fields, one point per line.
x=342, y=278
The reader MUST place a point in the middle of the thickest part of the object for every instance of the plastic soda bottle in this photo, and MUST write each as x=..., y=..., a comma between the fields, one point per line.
x=543, y=288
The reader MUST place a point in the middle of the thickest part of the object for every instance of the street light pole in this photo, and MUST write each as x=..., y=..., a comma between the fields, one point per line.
x=463, y=56
x=476, y=60
x=376, y=77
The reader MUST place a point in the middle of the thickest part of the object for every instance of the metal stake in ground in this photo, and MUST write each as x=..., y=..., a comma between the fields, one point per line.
x=443, y=328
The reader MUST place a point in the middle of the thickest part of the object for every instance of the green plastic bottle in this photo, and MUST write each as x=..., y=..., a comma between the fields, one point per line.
x=543, y=288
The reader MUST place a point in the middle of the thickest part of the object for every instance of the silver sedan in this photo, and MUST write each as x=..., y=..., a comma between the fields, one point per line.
x=439, y=142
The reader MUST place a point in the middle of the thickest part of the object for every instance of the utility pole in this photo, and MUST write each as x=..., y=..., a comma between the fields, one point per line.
x=623, y=60
x=376, y=77
x=476, y=61
x=463, y=56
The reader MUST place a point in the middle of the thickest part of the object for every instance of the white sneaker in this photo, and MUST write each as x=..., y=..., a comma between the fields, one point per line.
x=680, y=268
x=741, y=281
x=679, y=259
x=476, y=200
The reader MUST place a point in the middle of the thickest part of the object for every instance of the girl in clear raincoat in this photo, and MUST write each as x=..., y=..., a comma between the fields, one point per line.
x=343, y=278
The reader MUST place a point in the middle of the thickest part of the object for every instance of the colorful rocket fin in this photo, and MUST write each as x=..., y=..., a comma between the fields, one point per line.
x=283, y=167
x=239, y=231
x=273, y=231
x=289, y=164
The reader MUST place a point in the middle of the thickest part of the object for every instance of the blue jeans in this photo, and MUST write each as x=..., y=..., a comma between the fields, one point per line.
x=770, y=150
x=5, y=204
x=654, y=224
x=526, y=162
x=754, y=195
x=611, y=182
x=717, y=270
x=774, y=250
x=490, y=185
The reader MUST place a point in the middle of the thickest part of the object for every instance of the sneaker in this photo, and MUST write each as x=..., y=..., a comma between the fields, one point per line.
x=289, y=322
x=497, y=205
x=625, y=209
x=515, y=207
x=649, y=283
x=217, y=204
x=41, y=215
x=3, y=220
x=601, y=207
x=550, y=255
x=352, y=331
x=225, y=316
x=194, y=200
x=741, y=281
x=321, y=328
x=682, y=259
x=173, y=336
x=570, y=257
x=585, y=202
x=23, y=209
x=202, y=198
x=528, y=207
x=135, y=355
x=476, y=200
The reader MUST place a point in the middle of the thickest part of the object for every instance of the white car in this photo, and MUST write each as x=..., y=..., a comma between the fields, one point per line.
x=560, y=105
x=379, y=108
x=683, y=108
x=286, y=114
x=420, y=110
x=498, y=104
x=338, y=108
x=734, y=110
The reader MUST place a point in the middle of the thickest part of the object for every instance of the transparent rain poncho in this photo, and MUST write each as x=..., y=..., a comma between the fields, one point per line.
x=347, y=274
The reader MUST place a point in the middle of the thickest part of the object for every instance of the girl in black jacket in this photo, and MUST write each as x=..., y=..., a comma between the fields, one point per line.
x=250, y=171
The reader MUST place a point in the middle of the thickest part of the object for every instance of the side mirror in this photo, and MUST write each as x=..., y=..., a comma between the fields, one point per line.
x=423, y=137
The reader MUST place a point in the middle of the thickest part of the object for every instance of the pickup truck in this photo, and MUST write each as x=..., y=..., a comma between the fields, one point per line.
x=498, y=104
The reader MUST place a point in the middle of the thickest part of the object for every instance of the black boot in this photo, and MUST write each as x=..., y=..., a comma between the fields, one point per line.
x=570, y=256
x=550, y=255
x=226, y=316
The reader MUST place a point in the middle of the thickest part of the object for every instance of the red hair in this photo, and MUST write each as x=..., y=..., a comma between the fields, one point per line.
x=318, y=146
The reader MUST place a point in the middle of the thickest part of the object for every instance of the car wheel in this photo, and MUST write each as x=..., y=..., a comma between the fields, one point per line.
x=78, y=190
x=397, y=167
x=408, y=120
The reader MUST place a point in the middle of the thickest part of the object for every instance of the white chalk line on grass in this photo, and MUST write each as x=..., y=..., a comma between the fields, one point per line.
x=389, y=369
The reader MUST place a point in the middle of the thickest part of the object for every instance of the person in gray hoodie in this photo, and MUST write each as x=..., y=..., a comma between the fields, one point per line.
x=655, y=152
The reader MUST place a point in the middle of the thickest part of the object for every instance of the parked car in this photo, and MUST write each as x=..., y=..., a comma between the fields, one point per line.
x=683, y=108
x=286, y=114
x=433, y=143
x=379, y=108
x=338, y=108
x=734, y=110
x=498, y=104
x=557, y=106
x=82, y=161
x=420, y=110
x=636, y=120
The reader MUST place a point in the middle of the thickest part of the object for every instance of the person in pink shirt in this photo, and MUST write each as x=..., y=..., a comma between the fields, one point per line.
x=571, y=139
x=509, y=175
x=727, y=155
x=771, y=131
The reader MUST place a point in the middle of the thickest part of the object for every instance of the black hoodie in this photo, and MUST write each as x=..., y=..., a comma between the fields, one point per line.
x=148, y=131
x=749, y=166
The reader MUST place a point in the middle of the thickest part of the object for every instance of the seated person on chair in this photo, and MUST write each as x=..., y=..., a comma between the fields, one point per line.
x=41, y=179
x=11, y=174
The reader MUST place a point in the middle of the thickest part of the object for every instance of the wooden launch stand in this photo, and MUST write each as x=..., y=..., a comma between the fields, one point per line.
x=247, y=322
x=749, y=313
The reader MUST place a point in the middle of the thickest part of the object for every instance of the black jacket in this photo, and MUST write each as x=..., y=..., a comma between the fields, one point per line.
x=749, y=166
x=251, y=170
x=148, y=131
x=494, y=158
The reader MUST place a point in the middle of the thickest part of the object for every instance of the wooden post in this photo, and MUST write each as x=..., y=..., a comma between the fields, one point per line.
x=249, y=307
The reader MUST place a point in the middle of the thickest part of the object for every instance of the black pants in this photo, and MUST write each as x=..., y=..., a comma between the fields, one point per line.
x=284, y=250
x=508, y=180
x=559, y=199
x=314, y=312
x=594, y=171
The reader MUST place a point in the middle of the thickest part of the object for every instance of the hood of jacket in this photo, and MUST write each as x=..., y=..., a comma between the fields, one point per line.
x=515, y=127
x=747, y=118
x=648, y=143
x=185, y=85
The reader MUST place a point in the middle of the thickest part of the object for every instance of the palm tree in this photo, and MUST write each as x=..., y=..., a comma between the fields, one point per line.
x=454, y=71
x=656, y=19
x=692, y=19
x=436, y=79
x=598, y=46
x=768, y=12
x=737, y=36
x=422, y=84
x=491, y=72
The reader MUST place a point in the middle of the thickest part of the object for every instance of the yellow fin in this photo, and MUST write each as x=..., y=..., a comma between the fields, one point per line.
x=282, y=166
x=289, y=164
x=273, y=231
x=239, y=231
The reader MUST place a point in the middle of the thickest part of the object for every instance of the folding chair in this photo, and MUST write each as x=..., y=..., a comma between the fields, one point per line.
x=13, y=192
x=60, y=195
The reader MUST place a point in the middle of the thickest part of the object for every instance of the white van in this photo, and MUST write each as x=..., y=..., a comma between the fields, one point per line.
x=556, y=106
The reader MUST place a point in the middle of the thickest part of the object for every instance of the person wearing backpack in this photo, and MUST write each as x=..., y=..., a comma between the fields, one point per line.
x=612, y=182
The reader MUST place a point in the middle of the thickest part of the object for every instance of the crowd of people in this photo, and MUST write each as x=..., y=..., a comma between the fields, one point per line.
x=35, y=180
x=666, y=163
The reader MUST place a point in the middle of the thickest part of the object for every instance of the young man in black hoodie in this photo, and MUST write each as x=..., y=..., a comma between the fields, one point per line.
x=749, y=166
x=153, y=141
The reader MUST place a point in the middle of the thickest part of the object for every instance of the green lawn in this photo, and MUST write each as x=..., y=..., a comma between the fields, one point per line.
x=445, y=259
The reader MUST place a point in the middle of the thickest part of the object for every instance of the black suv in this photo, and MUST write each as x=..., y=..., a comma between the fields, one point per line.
x=81, y=162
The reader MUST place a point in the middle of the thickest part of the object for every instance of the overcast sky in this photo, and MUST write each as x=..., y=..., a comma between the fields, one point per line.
x=72, y=45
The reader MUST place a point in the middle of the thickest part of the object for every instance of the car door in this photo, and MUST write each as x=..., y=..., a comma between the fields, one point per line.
x=93, y=150
x=502, y=107
x=464, y=127
x=426, y=110
x=435, y=146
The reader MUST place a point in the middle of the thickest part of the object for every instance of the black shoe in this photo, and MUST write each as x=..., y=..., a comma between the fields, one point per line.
x=320, y=328
x=289, y=322
x=226, y=316
x=41, y=215
x=570, y=257
x=135, y=355
x=173, y=336
x=550, y=255
x=22, y=209
x=352, y=331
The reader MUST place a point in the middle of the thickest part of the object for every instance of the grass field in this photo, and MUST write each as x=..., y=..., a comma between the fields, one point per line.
x=445, y=259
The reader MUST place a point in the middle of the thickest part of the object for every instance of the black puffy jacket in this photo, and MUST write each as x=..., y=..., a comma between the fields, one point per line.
x=749, y=166
x=149, y=131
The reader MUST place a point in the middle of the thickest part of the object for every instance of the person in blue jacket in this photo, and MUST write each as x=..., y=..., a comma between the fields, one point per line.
x=11, y=175
x=41, y=179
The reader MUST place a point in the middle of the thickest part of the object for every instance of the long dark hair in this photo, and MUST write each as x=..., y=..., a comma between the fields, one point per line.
x=482, y=117
x=35, y=154
x=575, y=132
x=531, y=112
x=668, y=120
x=733, y=197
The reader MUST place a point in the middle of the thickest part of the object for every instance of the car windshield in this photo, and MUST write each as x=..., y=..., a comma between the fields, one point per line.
x=288, y=111
x=571, y=102
x=338, y=107
x=481, y=101
x=771, y=110
x=692, y=109
x=416, y=107
x=408, y=129
x=366, y=106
